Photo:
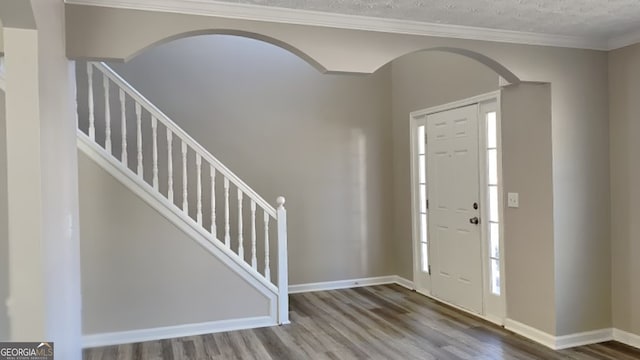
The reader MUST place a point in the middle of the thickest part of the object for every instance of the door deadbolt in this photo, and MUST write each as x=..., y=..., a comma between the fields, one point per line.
x=475, y=205
x=474, y=220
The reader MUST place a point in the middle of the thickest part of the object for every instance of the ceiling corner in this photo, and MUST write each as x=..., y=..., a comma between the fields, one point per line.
x=623, y=40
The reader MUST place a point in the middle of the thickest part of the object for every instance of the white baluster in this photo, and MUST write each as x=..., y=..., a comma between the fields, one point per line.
x=240, y=236
x=254, y=259
x=170, y=165
x=214, y=230
x=107, y=115
x=227, y=236
x=185, y=195
x=199, y=187
x=267, y=266
x=154, y=128
x=139, y=138
x=92, y=117
x=123, y=117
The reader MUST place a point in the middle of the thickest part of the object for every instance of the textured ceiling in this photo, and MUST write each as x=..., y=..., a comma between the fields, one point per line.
x=587, y=18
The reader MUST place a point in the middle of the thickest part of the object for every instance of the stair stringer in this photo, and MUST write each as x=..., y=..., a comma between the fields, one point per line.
x=190, y=227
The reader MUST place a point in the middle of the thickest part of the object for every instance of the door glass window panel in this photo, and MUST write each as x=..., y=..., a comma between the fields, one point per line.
x=423, y=228
x=493, y=203
x=425, y=258
x=423, y=198
x=493, y=197
x=495, y=276
x=492, y=138
x=494, y=236
x=421, y=142
x=422, y=172
x=421, y=178
x=492, y=160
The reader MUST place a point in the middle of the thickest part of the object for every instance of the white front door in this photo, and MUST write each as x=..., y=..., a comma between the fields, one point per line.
x=454, y=207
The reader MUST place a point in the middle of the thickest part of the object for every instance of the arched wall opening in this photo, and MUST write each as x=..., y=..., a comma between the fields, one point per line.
x=235, y=33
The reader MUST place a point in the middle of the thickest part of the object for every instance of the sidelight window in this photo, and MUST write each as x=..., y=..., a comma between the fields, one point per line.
x=493, y=201
x=422, y=196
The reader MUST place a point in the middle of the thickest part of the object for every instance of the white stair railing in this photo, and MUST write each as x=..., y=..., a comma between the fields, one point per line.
x=148, y=115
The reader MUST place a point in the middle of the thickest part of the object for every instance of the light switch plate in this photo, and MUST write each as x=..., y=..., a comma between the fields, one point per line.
x=513, y=200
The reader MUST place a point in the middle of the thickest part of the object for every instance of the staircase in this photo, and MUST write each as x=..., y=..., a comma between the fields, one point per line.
x=157, y=160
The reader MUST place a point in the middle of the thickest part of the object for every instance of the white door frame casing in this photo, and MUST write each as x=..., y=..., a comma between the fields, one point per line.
x=3, y=85
x=494, y=307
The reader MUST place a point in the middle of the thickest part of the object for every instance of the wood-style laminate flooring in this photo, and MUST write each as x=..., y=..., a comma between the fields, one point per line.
x=379, y=322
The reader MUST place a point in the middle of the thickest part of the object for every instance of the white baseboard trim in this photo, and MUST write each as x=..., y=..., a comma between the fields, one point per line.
x=351, y=283
x=572, y=340
x=405, y=283
x=626, y=338
x=169, y=332
x=583, y=338
x=530, y=333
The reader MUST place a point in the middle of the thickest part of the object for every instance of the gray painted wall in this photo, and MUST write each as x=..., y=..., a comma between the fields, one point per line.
x=139, y=271
x=528, y=230
x=624, y=96
x=4, y=235
x=581, y=201
x=419, y=81
x=322, y=141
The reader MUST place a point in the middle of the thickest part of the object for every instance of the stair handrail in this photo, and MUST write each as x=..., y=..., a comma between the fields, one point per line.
x=170, y=124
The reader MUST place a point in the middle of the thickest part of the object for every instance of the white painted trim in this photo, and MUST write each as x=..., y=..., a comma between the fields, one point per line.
x=421, y=279
x=170, y=332
x=3, y=83
x=177, y=217
x=490, y=319
x=350, y=283
x=530, y=333
x=624, y=40
x=565, y=341
x=405, y=283
x=283, y=271
x=494, y=306
x=456, y=104
x=342, y=21
x=419, y=117
x=583, y=338
x=626, y=338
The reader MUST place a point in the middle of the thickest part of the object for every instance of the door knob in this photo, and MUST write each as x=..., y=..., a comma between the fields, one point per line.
x=474, y=220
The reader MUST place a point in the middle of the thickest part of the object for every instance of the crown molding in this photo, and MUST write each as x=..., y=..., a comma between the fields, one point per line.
x=341, y=21
x=623, y=40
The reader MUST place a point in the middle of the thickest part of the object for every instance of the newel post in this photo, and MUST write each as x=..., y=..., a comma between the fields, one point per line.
x=283, y=274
